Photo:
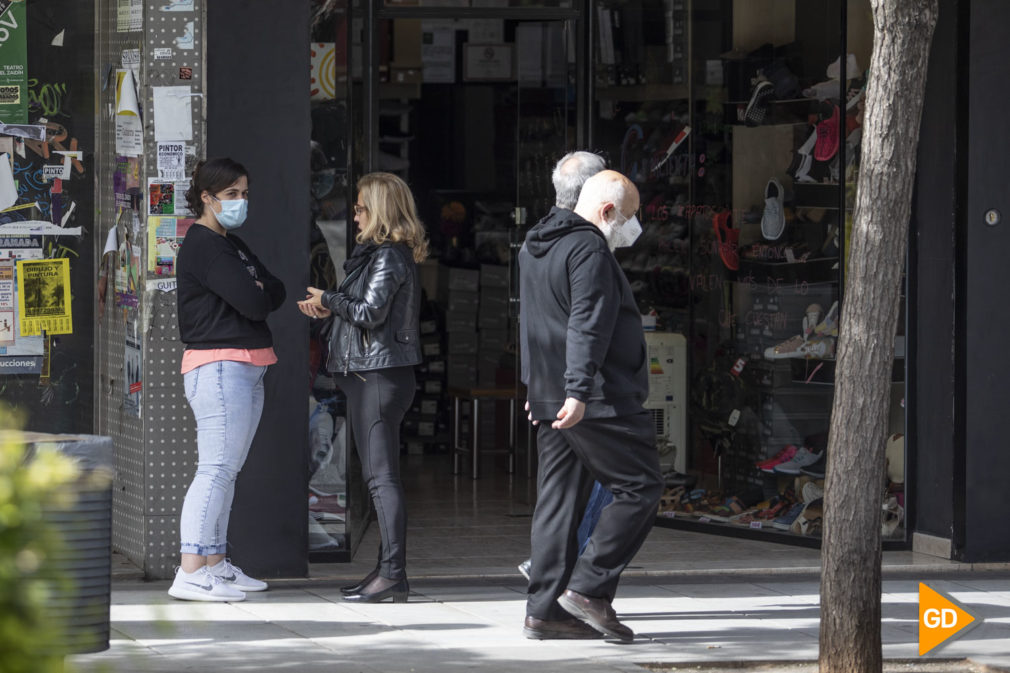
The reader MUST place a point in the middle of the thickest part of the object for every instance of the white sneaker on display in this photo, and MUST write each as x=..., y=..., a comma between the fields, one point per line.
x=202, y=585
x=834, y=70
x=773, y=219
x=235, y=578
x=803, y=458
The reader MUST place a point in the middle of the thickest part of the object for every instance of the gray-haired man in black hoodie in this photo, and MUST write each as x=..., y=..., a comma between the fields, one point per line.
x=584, y=363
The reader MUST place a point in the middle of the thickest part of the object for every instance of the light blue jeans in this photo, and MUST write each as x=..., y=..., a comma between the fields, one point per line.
x=227, y=400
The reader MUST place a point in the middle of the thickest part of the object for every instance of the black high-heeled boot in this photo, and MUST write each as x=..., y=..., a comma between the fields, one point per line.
x=374, y=594
x=351, y=589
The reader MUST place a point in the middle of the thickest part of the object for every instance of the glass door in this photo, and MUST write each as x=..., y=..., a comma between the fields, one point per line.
x=471, y=106
x=548, y=126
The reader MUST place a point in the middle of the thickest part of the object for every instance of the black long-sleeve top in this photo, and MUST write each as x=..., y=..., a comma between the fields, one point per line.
x=580, y=329
x=219, y=303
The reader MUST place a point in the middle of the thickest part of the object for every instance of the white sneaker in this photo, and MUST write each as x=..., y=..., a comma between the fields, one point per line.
x=235, y=578
x=773, y=219
x=804, y=457
x=203, y=585
x=834, y=70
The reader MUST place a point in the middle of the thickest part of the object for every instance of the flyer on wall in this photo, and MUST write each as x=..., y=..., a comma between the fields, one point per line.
x=13, y=248
x=133, y=367
x=167, y=197
x=164, y=237
x=44, y=296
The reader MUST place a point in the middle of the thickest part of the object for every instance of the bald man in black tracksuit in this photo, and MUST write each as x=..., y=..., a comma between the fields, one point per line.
x=584, y=362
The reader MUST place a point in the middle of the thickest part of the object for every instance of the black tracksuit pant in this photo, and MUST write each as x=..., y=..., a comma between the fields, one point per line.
x=376, y=403
x=621, y=454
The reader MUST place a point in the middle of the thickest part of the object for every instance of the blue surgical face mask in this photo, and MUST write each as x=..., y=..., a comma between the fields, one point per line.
x=233, y=212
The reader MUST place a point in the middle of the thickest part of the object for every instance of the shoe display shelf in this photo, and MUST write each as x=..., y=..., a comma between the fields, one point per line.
x=395, y=133
x=820, y=195
x=779, y=112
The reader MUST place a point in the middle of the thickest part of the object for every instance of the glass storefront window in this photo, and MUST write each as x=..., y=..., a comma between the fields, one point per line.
x=331, y=513
x=497, y=4
x=742, y=136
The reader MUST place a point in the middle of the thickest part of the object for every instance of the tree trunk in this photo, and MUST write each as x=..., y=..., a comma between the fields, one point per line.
x=850, y=557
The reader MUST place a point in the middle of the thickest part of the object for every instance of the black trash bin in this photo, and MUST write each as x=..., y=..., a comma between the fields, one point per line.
x=86, y=530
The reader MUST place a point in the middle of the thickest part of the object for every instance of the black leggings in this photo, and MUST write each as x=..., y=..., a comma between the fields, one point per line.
x=376, y=403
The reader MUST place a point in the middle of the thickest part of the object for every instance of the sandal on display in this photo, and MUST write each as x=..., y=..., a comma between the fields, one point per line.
x=829, y=325
x=811, y=318
x=670, y=499
x=790, y=348
x=732, y=507
x=893, y=513
x=809, y=520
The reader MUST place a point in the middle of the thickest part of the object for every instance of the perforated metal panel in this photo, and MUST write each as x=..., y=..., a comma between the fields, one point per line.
x=170, y=435
x=156, y=453
x=112, y=420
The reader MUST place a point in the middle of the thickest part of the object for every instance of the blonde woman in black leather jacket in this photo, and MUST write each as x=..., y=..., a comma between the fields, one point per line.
x=374, y=346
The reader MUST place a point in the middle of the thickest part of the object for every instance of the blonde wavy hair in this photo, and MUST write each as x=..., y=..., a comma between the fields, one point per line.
x=392, y=215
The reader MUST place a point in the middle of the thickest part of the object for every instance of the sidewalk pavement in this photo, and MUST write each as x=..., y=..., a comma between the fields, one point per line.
x=476, y=623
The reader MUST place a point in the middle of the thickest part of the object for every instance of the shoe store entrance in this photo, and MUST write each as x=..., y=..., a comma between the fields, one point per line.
x=740, y=123
x=471, y=106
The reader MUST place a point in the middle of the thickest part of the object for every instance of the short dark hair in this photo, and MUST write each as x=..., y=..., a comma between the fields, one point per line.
x=212, y=176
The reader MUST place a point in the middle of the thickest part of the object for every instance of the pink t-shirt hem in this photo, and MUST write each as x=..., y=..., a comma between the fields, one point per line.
x=261, y=357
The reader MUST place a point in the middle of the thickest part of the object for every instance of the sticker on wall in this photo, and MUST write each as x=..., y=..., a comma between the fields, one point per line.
x=185, y=73
x=8, y=305
x=44, y=296
x=178, y=6
x=126, y=182
x=129, y=16
x=165, y=236
x=167, y=197
x=322, y=71
x=127, y=272
x=172, y=160
x=132, y=367
x=187, y=40
x=173, y=113
x=14, y=64
x=129, y=128
x=131, y=61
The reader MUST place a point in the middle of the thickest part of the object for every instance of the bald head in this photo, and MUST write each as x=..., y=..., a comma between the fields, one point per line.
x=604, y=192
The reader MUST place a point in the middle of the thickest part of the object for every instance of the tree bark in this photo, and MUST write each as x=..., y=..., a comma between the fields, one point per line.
x=850, y=556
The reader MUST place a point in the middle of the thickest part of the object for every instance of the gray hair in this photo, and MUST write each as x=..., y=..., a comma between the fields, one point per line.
x=571, y=172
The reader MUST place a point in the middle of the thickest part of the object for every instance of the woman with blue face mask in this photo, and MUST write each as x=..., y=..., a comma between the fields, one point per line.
x=224, y=297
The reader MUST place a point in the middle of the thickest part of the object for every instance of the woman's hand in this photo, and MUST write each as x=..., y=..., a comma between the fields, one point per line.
x=312, y=305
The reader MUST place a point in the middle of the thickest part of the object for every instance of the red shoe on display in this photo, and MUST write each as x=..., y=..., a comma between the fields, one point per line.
x=727, y=239
x=782, y=456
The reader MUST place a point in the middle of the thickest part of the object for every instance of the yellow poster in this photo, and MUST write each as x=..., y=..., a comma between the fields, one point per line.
x=44, y=296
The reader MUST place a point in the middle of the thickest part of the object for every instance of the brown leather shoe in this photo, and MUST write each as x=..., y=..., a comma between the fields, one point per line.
x=597, y=612
x=548, y=629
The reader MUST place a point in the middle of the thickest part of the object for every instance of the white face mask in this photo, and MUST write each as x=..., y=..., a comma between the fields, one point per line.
x=623, y=234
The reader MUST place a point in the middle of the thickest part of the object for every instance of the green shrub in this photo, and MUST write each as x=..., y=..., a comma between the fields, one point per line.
x=30, y=641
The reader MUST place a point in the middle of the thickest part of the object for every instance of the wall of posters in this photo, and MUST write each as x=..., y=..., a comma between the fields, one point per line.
x=13, y=62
